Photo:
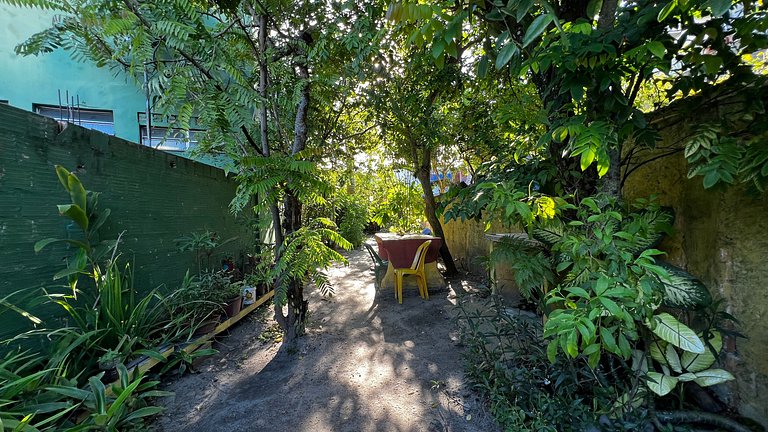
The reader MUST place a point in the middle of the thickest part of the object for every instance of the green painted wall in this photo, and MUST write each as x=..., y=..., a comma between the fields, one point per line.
x=35, y=79
x=155, y=198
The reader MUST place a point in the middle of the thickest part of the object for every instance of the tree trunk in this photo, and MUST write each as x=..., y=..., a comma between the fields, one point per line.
x=611, y=183
x=422, y=174
x=281, y=319
x=294, y=324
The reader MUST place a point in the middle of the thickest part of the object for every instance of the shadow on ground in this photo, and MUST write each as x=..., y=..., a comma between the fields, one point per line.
x=366, y=364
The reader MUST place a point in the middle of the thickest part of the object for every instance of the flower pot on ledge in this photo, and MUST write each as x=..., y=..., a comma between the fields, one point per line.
x=233, y=307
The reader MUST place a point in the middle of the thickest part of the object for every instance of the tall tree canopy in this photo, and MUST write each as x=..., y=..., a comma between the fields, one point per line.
x=253, y=75
x=590, y=59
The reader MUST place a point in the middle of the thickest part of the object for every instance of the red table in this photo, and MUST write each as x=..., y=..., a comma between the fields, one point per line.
x=399, y=250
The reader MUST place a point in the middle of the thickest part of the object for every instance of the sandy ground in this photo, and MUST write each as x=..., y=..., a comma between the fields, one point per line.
x=366, y=364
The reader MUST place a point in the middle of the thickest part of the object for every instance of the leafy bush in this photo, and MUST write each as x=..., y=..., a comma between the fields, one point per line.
x=593, y=265
x=41, y=391
x=506, y=360
x=354, y=218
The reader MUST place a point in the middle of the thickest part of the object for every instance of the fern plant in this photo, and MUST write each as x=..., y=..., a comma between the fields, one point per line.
x=306, y=255
x=233, y=70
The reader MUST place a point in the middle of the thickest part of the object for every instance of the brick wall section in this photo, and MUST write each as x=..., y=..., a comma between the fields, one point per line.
x=155, y=198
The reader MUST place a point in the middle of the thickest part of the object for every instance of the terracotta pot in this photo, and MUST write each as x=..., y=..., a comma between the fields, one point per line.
x=208, y=326
x=233, y=306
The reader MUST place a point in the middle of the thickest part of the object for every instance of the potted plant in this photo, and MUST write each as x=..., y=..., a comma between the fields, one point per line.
x=259, y=281
x=201, y=299
x=233, y=298
x=260, y=277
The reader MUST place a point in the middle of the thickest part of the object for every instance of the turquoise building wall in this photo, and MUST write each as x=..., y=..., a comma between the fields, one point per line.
x=25, y=81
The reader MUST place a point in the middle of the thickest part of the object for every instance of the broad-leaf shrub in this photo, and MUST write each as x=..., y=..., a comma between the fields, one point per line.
x=594, y=265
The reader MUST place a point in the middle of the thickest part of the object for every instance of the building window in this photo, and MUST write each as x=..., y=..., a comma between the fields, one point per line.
x=100, y=120
x=164, y=138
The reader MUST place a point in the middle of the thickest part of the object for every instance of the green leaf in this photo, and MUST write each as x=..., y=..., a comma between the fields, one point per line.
x=712, y=63
x=593, y=8
x=438, y=46
x=608, y=340
x=602, y=167
x=45, y=408
x=71, y=392
x=102, y=217
x=711, y=179
x=683, y=291
x=678, y=334
x=686, y=377
x=601, y=285
x=482, y=67
x=591, y=349
x=77, y=192
x=40, y=244
x=698, y=362
x=142, y=412
x=99, y=393
x=657, y=48
x=536, y=28
x=75, y=213
x=579, y=292
x=711, y=377
x=505, y=54
x=657, y=351
x=587, y=157
x=673, y=360
x=659, y=383
x=121, y=398
x=522, y=9
x=552, y=351
x=612, y=307
x=153, y=354
x=63, y=176
x=666, y=10
x=573, y=344
x=66, y=272
x=719, y=7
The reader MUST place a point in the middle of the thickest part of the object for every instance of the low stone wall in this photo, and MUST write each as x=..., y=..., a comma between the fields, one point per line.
x=468, y=245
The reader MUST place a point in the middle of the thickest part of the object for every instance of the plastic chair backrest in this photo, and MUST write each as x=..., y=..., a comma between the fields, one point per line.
x=377, y=261
x=421, y=255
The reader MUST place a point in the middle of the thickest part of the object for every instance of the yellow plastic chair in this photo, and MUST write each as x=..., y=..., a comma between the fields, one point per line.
x=416, y=269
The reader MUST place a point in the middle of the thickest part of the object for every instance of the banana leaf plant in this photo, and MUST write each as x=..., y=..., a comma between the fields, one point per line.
x=83, y=212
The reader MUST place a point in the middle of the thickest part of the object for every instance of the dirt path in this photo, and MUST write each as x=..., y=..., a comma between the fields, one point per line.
x=367, y=364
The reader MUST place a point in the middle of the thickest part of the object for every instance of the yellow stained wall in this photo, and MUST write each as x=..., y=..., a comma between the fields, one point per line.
x=722, y=238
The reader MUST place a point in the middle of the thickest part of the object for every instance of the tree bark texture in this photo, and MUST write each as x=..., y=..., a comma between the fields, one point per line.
x=423, y=175
x=611, y=182
x=297, y=307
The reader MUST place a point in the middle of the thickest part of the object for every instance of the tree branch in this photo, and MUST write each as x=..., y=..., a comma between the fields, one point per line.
x=645, y=162
x=607, y=14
